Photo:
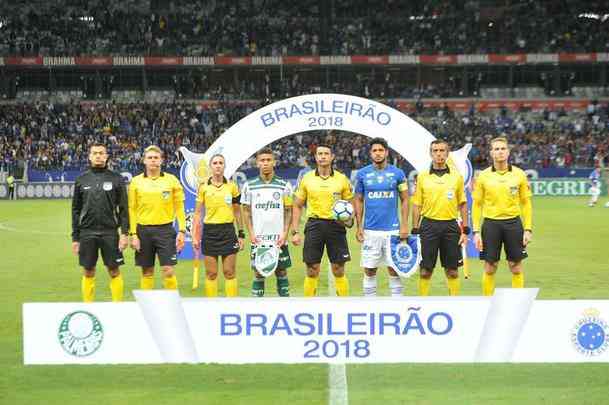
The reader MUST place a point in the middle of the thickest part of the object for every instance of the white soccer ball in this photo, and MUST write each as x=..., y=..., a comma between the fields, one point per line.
x=342, y=210
x=607, y=204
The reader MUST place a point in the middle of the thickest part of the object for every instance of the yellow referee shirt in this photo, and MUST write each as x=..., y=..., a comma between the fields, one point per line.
x=320, y=193
x=502, y=195
x=439, y=193
x=218, y=201
x=156, y=201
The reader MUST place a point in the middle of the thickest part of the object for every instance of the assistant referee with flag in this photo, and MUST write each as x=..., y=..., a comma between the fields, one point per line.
x=502, y=215
x=156, y=199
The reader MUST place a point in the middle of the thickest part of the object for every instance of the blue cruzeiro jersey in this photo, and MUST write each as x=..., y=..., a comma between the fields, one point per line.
x=381, y=189
x=595, y=178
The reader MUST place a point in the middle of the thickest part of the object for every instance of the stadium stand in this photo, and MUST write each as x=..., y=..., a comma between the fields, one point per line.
x=181, y=72
x=306, y=27
x=53, y=136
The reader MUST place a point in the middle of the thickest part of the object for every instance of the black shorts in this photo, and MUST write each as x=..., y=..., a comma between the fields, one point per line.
x=156, y=240
x=440, y=236
x=506, y=232
x=219, y=240
x=90, y=245
x=329, y=233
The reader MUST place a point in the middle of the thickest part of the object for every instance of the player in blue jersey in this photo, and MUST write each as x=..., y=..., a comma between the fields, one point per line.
x=380, y=190
x=595, y=186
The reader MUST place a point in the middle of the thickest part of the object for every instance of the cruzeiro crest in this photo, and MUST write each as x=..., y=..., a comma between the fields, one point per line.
x=404, y=255
x=590, y=335
x=80, y=334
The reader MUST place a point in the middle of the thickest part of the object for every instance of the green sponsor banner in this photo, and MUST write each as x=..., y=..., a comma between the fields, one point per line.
x=565, y=186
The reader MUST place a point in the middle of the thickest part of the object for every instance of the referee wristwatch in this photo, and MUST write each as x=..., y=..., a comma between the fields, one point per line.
x=295, y=232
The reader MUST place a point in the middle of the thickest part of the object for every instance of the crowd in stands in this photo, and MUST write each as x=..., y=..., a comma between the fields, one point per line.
x=303, y=27
x=384, y=85
x=52, y=136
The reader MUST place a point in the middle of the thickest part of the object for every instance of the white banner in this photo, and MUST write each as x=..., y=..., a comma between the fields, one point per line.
x=44, y=190
x=315, y=112
x=160, y=327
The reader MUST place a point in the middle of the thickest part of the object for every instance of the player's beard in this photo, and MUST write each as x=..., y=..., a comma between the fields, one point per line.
x=381, y=162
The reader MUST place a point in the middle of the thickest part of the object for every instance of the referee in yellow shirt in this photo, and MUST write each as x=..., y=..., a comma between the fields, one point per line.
x=221, y=199
x=502, y=203
x=156, y=199
x=319, y=190
x=439, y=198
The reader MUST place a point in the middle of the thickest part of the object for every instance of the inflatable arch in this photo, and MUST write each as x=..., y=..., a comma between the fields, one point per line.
x=316, y=112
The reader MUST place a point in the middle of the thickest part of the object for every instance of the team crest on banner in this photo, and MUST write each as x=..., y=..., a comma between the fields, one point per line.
x=266, y=259
x=404, y=255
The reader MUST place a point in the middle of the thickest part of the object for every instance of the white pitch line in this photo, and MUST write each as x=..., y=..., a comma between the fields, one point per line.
x=337, y=373
x=4, y=227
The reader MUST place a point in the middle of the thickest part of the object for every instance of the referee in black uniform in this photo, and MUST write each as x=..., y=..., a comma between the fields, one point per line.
x=439, y=198
x=99, y=207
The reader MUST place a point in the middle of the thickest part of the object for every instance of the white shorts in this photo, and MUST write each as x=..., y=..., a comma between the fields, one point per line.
x=374, y=248
x=595, y=191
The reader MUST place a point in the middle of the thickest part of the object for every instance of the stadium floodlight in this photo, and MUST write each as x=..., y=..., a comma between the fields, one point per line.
x=422, y=17
x=594, y=16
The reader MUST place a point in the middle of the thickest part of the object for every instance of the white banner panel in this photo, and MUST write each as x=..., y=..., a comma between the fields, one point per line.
x=565, y=331
x=77, y=333
x=336, y=330
x=163, y=328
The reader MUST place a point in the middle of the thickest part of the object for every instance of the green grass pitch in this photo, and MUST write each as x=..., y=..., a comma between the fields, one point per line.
x=568, y=260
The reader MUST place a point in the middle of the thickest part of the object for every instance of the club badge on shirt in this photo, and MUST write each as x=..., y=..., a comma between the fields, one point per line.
x=107, y=186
